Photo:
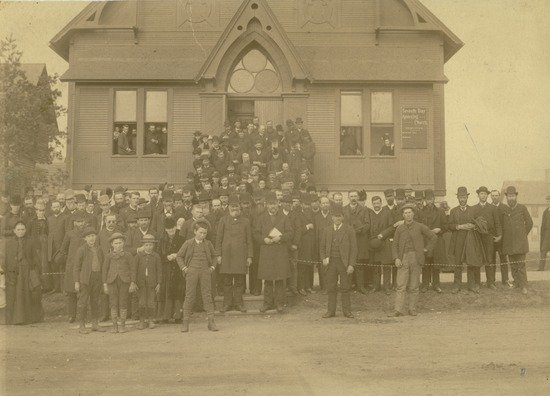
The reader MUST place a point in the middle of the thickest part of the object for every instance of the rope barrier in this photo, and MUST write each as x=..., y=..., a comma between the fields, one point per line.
x=380, y=265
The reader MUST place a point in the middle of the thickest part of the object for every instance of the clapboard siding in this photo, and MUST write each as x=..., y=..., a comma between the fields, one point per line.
x=157, y=15
x=439, y=138
x=186, y=116
x=92, y=123
x=320, y=117
x=269, y=110
x=323, y=39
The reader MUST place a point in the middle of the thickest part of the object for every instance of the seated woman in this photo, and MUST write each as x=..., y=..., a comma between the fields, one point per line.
x=21, y=266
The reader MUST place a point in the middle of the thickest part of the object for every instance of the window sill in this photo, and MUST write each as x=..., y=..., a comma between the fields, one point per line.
x=383, y=157
x=140, y=156
x=352, y=157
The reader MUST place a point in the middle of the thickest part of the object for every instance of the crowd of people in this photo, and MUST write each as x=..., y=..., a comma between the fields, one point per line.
x=249, y=219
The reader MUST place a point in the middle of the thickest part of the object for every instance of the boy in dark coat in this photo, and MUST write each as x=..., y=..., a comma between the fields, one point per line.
x=147, y=275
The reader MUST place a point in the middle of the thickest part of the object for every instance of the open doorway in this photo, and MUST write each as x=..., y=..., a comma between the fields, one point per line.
x=240, y=110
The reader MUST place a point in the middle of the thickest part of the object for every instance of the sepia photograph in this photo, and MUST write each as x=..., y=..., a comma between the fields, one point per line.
x=274, y=197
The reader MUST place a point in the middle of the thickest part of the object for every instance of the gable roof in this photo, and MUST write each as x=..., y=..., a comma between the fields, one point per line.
x=451, y=41
x=530, y=192
x=242, y=18
x=34, y=71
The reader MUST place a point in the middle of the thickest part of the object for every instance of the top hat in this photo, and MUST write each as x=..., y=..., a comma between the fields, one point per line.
x=400, y=193
x=429, y=194
x=419, y=195
x=233, y=200
x=462, y=191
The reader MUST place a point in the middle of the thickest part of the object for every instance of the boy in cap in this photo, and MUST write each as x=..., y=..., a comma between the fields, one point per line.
x=117, y=276
x=146, y=276
x=87, y=277
x=196, y=261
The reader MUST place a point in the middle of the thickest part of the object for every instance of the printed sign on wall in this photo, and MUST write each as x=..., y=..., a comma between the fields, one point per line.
x=414, y=128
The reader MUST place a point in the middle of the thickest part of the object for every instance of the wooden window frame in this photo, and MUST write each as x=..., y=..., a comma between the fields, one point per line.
x=339, y=121
x=383, y=125
x=140, y=119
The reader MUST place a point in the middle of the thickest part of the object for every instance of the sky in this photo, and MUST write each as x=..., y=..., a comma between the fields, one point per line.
x=496, y=102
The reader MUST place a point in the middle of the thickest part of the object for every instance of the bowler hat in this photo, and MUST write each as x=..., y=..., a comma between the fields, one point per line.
x=169, y=223
x=389, y=193
x=299, y=120
x=419, y=195
x=116, y=235
x=177, y=197
x=15, y=200
x=197, y=133
x=271, y=198
x=88, y=231
x=80, y=198
x=287, y=198
x=337, y=212
x=69, y=194
x=142, y=201
x=143, y=214
x=148, y=238
x=88, y=188
x=233, y=200
x=279, y=127
x=462, y=191
x=482, y=189
x=511, y=190
x=79, y=215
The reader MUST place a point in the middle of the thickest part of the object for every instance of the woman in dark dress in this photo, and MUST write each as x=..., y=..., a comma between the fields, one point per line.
x=22, y=270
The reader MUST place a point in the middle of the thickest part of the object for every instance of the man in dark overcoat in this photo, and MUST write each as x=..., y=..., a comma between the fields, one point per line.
x=545, y=235
x=357, y=216
x=516, y=225
x=494, y=234
x=381, y=228
x=234, y=253
x=273, y=231
x=56, y=233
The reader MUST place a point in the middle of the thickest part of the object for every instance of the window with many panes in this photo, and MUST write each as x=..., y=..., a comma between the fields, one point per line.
x=382, y=124
x=125, y=123
x=351, y=123
x=155, y=131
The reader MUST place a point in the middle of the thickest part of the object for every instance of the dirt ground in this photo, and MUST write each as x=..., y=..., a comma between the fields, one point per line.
x=494, y=343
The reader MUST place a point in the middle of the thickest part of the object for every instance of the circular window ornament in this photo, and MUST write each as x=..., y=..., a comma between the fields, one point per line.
x=254, y=61
x=267, y=81
x=242, y=81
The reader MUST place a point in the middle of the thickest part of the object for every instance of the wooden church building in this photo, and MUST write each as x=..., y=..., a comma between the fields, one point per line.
x=357, y=72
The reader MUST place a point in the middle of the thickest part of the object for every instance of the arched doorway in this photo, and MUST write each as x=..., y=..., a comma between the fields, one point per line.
x=254, y=88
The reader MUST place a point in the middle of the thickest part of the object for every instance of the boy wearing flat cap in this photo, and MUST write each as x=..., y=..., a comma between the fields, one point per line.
x=146, y=279
x=87, y=279
x=117, y=275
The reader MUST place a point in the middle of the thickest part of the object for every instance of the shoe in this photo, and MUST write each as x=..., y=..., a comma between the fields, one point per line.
x=510, y=284
x=387, y=292
x=541, y=269
x=71, y=319
x=95, y=327
x=141, y=325
x=264, y=309
x=152, y=324
x=280, y=309
x=349, y=315
x=224, y=309
x=211, y=324
x=257, y=294
x=395, y=314
x=310, y=291
x=412, y=312
x=437, y=289
x=492, y=286
x=362, y=290
x=241, y=308
x=455, y=290
x=123, y=315
x=114, y=318
x=185, y=326
x=324, y=292
x=302, y=292
x=176, y=321
x=329, y=315
x=423, y=289
x=524, y=290
x=82, y=329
